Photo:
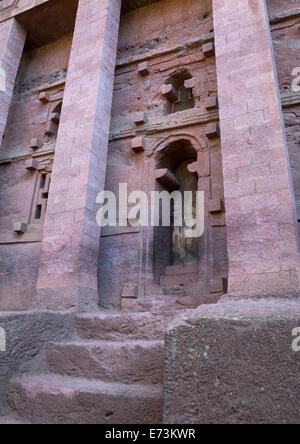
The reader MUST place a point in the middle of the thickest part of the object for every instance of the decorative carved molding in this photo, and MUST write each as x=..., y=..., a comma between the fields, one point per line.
x=283, y=16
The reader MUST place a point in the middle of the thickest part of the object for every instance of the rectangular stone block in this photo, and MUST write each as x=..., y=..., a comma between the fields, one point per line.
x=55, y=117
x=234, y=363
x=212, y=131
x=140, y=118
x=35, y=144
x=208, y=49
x=144, y=69
x=211, y=103
x=190, y=83
x=138, y=144
x=215, y=206
x=51, y=128
x=170, y=93
x=130, y=291
x=217, y=285
x=32, y=165
x=44, y=97
x=20, y=227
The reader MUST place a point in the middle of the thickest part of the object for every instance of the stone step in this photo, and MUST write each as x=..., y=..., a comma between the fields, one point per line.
x=123, y=326
x=174, y=270
x=125, y=362
x=56, y=399
x=180, y=279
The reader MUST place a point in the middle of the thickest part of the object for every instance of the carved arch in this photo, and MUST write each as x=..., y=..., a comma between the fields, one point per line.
x=199, y=143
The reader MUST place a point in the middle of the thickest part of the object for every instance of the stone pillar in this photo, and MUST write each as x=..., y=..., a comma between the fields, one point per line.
x=12, y=40
x=260, y=207
x=69, y=259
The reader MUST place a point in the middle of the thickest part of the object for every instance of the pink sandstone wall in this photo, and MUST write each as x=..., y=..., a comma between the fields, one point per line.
x=28, y=117
x=169, y=36
x=286, y=35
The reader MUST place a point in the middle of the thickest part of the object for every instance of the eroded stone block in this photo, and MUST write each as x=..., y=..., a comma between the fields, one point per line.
x=51, y=128
x=44, y=97
x=138, y=144
x=55, y=117
x=211, y=103
x=212, y=131
x=140, y=118
x=190, y=83
x=170, y=93
x=235, y=360
x=167, y=179
x=208, y=49
x=130, y=291
x=144, y=69
x=20, y=227
x=35, y=144
x=32, y=165
x=217, y=285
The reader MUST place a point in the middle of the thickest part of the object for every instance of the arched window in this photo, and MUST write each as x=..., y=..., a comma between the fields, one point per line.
x=170, y=245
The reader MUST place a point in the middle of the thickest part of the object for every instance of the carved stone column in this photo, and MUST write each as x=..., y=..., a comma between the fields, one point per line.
x=259, y=199
x=69, y=259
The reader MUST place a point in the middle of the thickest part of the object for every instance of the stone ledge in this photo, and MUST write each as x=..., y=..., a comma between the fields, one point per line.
x=16, y=9
x=233, y=363
x=193, y=43
x=283, y=16
x=289, y=100
x=33, y=234
x=166, y=123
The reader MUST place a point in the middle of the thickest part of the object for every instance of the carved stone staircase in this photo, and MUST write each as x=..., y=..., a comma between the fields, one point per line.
x=110, y=373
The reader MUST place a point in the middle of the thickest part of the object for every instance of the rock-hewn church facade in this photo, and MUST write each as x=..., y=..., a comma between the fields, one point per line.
x=138, y=324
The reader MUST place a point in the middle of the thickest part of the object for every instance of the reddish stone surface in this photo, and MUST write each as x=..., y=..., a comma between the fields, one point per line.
x=27, y=121
x=260, y=206
x=69, y=259
x=276, y=6
x=12, y=39
x=163, y=127
x=285, y=36
x=110, y=372
x=137, y=256
x=61, y=400
x=233, y=363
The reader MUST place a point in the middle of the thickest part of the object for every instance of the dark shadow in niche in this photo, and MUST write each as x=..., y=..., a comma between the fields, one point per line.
x=168, y=248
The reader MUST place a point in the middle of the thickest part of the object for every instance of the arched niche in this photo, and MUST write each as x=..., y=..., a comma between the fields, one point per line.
x=170, y=247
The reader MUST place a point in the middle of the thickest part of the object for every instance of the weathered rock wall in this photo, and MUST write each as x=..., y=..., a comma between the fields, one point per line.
x=42, y=70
